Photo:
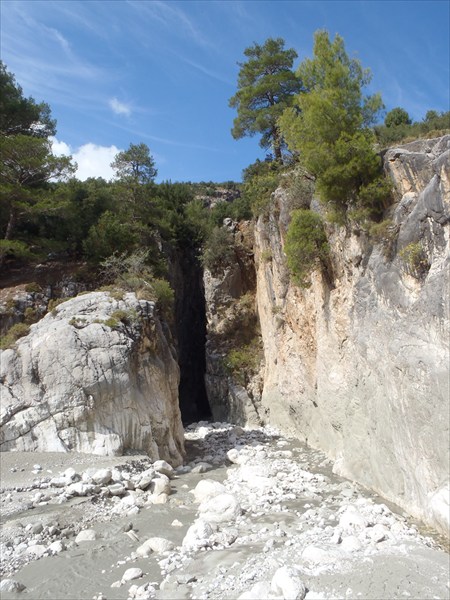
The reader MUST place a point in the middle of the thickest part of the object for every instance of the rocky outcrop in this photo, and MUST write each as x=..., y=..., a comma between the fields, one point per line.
x=98, y=375
x=357, y=365
x=232, y=325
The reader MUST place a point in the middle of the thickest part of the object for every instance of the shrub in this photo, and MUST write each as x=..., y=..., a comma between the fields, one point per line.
x=53, y=303
x=14, y=248
x=78, y=322
x=111, y=322
x=266, y=255
x=109, y=235
x=30, y=315
x=299, y=187
x=244, y=361
x=164, y=296
x=125, y=316
x=218, y=252
x=414, y=260
x=13, y=334
x=385, y=233
x=33, y=288
x=306, y=245
x=397, y=116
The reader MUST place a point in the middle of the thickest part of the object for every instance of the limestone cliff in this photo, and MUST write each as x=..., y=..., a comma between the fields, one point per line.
x=357, y=364
x=97, y=374
x=234, y=390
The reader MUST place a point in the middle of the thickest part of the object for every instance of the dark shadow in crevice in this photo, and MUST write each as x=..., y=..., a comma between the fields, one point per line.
x=190, y=323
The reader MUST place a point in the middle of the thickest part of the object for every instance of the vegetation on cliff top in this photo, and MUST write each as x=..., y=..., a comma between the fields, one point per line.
x=316, y=119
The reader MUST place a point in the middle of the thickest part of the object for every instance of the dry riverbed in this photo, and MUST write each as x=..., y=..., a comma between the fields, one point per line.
x=251, y=515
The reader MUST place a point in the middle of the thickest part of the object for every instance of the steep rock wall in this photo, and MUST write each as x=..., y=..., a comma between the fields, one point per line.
x=232, y=324
x=95, y=375
x=357, y=364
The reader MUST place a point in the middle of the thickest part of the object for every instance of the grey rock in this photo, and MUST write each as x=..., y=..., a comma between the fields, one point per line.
x=359, y=368
x=86, y=535
x=11, y=585
x=95, y=389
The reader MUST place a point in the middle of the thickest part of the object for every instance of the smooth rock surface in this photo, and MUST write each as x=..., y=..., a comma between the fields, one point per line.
x=357, y=364
x=77, y=383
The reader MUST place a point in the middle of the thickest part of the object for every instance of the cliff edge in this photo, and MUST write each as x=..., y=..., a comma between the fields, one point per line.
x=357, y=364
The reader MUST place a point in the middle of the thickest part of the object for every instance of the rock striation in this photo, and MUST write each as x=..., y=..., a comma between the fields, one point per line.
x=357, y=364
x=97, y=375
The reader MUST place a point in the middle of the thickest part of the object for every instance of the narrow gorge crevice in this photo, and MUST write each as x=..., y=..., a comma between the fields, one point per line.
x=190, y=327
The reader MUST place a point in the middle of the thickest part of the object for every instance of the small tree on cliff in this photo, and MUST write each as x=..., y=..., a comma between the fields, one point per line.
x=397, y=116
x=266, y=87
x=329, y=127
x=135, y=169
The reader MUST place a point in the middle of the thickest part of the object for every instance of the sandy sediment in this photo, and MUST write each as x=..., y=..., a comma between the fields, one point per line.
x=251, y=515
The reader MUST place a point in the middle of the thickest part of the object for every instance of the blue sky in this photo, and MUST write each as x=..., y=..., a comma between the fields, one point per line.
x=121, y=72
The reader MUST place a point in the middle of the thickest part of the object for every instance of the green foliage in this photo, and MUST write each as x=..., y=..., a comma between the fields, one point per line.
x=132, y=273
x=53, y=303
x=414, y=260
x=20, y=115
x=397, y=116
x=218, y=251
x=27, y=164
x=111, y=322
x=30, y=315
x=78, y=322
x=33, y=288
x=299, y=186
x=13, y=334
x=14, y=248
x=384, y=233
x=266, y=85
x=125, y=316
x=164, y=296
x=261, y=179
x=329, y=126
x=306, y=245
x=108, y=236
x=135, y=165
x=433, y=125
x=243, y=362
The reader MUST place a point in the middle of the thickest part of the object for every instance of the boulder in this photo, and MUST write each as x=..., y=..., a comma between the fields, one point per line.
x=86, y=379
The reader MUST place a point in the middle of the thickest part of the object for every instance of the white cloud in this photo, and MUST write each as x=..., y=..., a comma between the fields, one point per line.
x=92, y=160
x=59, y=148
x=119, y=107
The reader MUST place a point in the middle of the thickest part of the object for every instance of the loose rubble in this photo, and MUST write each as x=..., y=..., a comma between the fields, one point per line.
x=266, y=519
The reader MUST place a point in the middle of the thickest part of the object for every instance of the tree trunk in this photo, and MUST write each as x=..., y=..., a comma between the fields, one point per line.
x=11, y=223
x=277, y=145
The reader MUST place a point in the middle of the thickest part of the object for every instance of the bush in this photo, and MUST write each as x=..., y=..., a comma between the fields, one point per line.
x=33, y=288
x=13, y=334
x=125, y=316
x=299, y=187
x=306, y=245
x=397, y=116
x=433, y=125
x=414, y=260
x=53, y=303
x=109, y=236
x=14, y=248
x=164, y=296
x=218, y=252
x=244, y=361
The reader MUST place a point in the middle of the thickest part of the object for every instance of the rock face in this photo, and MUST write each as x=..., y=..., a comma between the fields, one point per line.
x=357, y=364
x=95, y=375
x=232, y=324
